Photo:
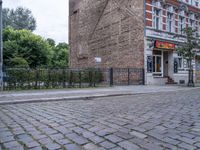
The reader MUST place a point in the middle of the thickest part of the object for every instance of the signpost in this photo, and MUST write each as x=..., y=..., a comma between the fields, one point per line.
x=1, y=49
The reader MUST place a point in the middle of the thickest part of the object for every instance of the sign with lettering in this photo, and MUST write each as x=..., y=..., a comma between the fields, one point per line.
x=165, y=45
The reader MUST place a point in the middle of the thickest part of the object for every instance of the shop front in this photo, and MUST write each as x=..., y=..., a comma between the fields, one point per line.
x=160, y=65
x=197, y=69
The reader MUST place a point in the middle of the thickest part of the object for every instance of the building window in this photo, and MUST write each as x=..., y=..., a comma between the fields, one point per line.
x=187, y=63
x=169, y=22
x=181, y=24
x=180, y=61
x=197, y=3
x=192, y=2
x=198, y=29
x=157, y=19
x=192, y=24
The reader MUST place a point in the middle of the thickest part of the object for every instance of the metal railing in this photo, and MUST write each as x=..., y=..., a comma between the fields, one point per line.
x=55, y=78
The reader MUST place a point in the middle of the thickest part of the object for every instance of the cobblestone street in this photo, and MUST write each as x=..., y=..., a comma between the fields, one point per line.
x=167, y=121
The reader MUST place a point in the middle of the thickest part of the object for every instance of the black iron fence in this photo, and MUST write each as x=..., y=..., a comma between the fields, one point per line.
x=48, y=78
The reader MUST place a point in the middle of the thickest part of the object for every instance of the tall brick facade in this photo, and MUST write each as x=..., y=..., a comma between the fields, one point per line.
x=110, y=29
x=134, y=34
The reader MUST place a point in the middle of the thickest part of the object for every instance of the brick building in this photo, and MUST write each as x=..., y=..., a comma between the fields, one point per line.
x=134, y=34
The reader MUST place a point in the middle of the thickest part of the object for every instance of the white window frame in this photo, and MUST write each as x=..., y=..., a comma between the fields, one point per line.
x=181, y=24
x=157, y=19
x=192, y=23
x=170, y=28
x=180, y=57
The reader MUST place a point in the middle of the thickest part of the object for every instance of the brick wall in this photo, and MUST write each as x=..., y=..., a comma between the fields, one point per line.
x=110, y=29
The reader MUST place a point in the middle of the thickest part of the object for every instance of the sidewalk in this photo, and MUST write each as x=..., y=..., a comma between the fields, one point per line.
x=76, y=94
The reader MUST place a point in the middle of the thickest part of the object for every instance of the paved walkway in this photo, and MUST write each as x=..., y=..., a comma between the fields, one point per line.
x=74, y=94
x=161, y=121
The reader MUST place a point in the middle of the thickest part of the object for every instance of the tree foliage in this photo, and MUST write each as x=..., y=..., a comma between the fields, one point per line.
x=19, y=18
x=189, y=48
x=51, y=42
x=60, y=55
x=24, y=48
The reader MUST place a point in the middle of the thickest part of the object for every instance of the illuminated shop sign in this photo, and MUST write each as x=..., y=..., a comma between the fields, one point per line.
x=164, y=45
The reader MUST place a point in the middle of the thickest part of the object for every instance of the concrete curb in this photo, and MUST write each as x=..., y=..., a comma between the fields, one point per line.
x=71, y=98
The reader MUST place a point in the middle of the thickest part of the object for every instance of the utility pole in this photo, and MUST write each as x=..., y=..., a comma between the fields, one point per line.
x=1, y=48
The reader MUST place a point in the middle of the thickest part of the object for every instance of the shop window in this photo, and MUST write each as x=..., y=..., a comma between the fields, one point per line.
x=149, y=64
x=187, y=63
x=157, y=64
x=180, y=61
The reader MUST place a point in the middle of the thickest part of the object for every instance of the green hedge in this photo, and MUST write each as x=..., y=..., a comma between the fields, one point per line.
x=40, y=78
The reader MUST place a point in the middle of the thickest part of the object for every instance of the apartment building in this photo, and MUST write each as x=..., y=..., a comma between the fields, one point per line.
x=133, y=34
x=165, y=21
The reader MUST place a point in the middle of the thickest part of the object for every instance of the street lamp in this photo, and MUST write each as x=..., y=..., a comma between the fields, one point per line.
x=1, y=49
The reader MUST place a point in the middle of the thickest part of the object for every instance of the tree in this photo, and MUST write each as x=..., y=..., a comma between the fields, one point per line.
x=188, y=50
x=20, y=18
x=51, y=42
x=22, y=47
x=60, y=55
x=5, y=16
x=19, y=62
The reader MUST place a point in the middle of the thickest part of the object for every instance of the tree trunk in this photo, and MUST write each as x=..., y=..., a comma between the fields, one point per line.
x=190, y=74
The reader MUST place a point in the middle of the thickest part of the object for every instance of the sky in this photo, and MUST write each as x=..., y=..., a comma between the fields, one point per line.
x=51, y=16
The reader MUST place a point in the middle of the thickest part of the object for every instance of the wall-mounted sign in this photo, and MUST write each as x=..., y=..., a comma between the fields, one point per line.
x=97, y=59
x=163, y=35
x=165, y=45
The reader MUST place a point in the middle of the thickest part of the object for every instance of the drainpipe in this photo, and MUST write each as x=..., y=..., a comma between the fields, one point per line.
x=1, y=49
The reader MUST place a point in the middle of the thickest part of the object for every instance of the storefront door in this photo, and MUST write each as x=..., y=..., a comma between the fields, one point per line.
x=157, y=64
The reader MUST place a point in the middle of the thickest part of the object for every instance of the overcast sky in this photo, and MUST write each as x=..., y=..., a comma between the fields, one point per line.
x=51, y=16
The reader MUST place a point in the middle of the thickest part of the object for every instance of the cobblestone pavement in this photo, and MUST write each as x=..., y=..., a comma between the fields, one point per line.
x=168, y=120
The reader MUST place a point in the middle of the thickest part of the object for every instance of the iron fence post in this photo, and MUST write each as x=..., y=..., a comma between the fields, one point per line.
x=70, y=78
x=128, y=76
x=94, y=78
x=111, y=76
x=90, y=78
x=49, y=78
x=80, y=79
x=29, y=78
x=36, y=78
x=64, y=79
x=39, y=77
x=143, y=76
